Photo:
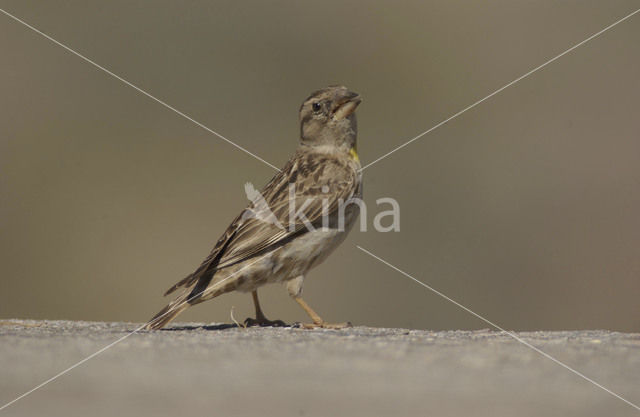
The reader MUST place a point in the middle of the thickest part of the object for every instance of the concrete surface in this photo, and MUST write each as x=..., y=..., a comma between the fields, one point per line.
x=193, y=369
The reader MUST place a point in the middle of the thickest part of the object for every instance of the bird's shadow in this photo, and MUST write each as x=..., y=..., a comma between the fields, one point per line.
x=216, y=327
x=210, y=327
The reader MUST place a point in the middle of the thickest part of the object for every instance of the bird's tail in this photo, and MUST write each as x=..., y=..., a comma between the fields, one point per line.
x=169, y=313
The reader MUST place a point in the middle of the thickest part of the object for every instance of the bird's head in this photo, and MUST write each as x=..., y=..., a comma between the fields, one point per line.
x=327, y=117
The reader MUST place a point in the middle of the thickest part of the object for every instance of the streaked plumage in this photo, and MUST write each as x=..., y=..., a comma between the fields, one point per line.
x=253, y=252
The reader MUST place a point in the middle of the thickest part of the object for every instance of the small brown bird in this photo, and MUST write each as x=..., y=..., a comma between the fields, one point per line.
x=271, y=242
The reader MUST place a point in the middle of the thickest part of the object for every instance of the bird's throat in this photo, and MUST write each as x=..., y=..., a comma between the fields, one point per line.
x=353, y=153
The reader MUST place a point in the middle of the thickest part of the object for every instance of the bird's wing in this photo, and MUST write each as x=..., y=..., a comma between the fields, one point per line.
x=254, y=231
x=321, y=183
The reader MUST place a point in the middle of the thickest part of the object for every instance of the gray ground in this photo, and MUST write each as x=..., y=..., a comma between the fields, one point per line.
x=216, y=370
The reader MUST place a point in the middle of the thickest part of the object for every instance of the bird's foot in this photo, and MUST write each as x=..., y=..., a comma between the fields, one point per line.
x=263, y=322
x=324, y=325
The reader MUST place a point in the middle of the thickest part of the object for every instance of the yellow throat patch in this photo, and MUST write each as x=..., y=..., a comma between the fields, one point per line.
x=353, y=153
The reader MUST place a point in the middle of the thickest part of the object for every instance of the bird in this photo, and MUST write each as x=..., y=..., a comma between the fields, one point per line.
x=294, y=223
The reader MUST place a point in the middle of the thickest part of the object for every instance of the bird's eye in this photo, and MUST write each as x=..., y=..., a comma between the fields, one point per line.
x=316, y=106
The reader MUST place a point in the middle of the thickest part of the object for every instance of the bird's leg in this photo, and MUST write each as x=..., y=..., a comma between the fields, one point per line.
x=261, y=319
x=295, y=291
x=317, y=320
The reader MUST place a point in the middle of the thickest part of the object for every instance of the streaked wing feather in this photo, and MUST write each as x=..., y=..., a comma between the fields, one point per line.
x=248, y=236
x=310, y=172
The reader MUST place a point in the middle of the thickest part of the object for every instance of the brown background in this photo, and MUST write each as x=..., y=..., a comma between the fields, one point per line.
x=525, y=209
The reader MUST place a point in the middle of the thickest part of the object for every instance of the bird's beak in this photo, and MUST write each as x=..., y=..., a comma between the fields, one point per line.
x=346, y=105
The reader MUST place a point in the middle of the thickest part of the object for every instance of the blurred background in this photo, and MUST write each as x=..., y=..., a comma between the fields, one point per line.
x=524, y=209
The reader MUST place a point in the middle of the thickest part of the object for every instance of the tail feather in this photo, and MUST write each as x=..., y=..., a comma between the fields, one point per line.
x=185, y=282
x=168, y=313
x=199, y=280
